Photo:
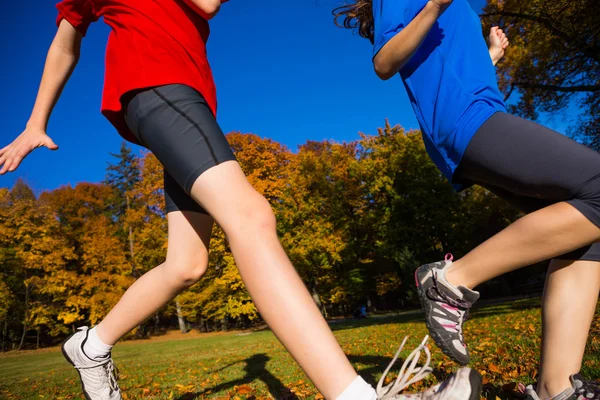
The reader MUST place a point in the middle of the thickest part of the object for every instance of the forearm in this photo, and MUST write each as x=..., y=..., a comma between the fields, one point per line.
x=399, y=50
x=60, y=63
x=495, y=56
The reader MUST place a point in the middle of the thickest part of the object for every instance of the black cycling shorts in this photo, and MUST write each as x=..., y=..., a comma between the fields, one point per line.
x=177, y=126
x=533, y=167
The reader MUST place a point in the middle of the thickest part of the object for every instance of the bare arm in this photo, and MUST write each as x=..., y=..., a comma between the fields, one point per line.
x=206, y=8
x=60, y=63
x=399, y=50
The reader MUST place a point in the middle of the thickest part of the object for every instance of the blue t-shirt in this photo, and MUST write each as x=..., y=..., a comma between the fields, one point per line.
x=450, y=80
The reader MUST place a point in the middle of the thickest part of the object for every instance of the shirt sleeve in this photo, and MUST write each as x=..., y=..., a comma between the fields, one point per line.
x=390, y=17
x=79, y=13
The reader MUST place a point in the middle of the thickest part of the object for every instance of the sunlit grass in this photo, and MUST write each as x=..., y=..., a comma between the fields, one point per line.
x=504, y=342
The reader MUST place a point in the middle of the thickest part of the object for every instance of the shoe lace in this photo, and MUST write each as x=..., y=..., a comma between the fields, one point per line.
x=408, y=369
x=590, y=388
x=112, y=373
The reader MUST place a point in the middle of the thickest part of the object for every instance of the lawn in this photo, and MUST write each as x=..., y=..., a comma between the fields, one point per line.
x=504, y=343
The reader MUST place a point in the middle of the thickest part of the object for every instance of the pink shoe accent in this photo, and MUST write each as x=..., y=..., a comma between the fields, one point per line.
x=452, y=326
x=449, y=257
x=416, y=280
x=449, y=307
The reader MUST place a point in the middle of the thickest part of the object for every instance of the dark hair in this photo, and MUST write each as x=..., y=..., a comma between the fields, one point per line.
x=357, y=16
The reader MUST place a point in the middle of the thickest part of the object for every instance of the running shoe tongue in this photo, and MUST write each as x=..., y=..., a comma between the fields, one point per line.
x=576, y=381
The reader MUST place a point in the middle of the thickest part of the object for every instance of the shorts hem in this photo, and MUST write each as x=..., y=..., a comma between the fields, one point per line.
x=196, y=172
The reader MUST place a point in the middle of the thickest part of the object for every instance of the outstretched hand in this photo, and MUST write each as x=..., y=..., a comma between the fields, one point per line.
x=498, y=43
x=12, y=155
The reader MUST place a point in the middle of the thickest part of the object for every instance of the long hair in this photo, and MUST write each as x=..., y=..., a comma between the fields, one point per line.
x=357, y=16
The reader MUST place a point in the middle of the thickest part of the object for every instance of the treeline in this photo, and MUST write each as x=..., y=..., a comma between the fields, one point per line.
x=355, y=218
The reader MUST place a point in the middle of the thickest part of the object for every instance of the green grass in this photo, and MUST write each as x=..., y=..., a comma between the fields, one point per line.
x=504, y=343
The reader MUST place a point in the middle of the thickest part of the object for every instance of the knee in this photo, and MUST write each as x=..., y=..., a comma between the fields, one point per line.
x=255, y=216
x=186, y=270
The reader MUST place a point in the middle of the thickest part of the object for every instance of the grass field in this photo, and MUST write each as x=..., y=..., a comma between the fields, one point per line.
x=504, y=343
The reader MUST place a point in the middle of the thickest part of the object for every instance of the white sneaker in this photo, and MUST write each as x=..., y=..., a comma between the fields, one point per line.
x=465, y=384
x=98, y=377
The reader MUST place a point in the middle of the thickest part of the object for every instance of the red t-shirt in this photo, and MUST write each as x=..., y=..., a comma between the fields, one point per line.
x=151, y=43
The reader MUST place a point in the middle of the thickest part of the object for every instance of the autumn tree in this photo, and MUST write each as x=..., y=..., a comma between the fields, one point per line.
x=553, y=59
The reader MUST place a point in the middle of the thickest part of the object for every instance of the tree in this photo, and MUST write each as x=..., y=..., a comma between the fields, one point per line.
x=553, y=59
x=122, y=177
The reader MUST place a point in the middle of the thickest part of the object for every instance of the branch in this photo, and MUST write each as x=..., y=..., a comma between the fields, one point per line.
x=555, y=88
x=512, y=87
x=548, y=24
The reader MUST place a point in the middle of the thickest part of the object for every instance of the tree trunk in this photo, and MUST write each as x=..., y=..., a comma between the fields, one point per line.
x=25, y=318
x=156, y=324
x=131, y=251
x=317, y=299
x=37, y=342
x=182, y=326
x=4, y=335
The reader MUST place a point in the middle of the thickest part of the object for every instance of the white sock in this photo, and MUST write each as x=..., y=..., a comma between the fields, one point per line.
x=95, y=348
x=358, y=390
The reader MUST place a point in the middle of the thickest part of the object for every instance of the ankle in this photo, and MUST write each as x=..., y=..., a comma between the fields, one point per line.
x=94, y=347
x=358, y=389
x=551, y=388
x=454, y=277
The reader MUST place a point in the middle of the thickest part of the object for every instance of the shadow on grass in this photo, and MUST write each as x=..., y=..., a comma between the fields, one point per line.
x=373, y=366
x=255, y=369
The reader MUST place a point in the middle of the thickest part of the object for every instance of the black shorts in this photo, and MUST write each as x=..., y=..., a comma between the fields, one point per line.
x=533, y=167
x=177, y=126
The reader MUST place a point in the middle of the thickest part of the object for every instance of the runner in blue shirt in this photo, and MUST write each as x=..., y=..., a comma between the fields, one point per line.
x=438, y=50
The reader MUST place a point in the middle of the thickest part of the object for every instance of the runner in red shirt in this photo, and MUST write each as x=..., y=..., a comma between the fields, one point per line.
x=159, y=92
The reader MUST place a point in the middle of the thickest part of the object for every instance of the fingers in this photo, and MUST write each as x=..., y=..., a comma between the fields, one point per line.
x=5, y=162
x=16, y=161
x=10, y=161
x=11, y=158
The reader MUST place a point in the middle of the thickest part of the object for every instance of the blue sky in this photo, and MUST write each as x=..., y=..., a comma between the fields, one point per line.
x=282, y=70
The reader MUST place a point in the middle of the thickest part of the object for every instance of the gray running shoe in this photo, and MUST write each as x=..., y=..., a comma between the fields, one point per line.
x=98, y=377
x=465, y=384
x=579, y=390
x=446, y=308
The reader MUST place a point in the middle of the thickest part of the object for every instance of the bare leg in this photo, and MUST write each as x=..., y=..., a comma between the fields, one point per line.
x=187, y=260
x=275, y=287
x=541, y=235
x=568, y=308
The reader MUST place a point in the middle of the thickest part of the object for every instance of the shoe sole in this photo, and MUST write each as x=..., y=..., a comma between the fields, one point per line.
x=432, y=332
x=64, y=352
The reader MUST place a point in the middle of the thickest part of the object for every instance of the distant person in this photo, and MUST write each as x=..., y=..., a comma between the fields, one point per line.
x=447, y=69
x=159, y=93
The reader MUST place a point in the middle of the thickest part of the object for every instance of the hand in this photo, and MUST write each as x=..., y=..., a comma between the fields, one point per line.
x=498, y=43
x=31, y=138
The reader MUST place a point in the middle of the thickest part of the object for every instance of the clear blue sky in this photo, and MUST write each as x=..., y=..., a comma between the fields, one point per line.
x=282, y=69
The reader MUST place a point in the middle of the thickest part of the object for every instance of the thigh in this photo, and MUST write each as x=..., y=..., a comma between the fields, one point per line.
x=528, y=205
x=176, y=125
x=176, y=199
x=189, y=236
x=527, y=159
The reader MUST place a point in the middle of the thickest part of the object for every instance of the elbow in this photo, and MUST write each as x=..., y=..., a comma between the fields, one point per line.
x=383, y=70
x=207, y=8
x=211, y=8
